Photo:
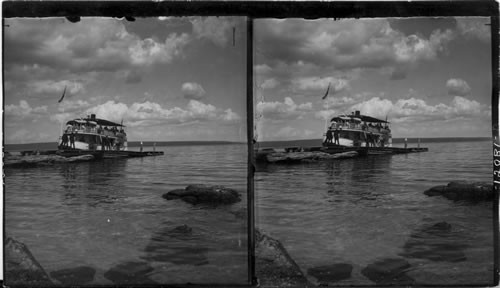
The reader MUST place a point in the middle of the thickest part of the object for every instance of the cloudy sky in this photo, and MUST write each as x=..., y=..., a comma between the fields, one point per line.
x=168, y=79
x=430, y=76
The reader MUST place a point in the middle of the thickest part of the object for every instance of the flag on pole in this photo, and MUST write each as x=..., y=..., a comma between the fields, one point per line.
x=62, y=97
x=326, y=94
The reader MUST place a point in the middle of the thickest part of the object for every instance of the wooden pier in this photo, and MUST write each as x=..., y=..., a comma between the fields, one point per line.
x=98, y=154
x=261, y=155
x=374, y=150
x=342, y=149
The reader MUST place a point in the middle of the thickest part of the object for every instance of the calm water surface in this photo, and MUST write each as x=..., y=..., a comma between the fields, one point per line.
x=105, y=213
x=361, y=210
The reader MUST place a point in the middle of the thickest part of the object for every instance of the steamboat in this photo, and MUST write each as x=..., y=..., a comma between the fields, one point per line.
x=93, y=134
x=356, y=130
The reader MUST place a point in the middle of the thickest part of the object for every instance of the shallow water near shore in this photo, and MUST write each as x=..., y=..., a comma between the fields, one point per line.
x=359, y=211
x=106, y=213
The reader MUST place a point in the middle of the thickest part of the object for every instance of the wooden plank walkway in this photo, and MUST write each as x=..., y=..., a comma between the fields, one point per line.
x=342, y=149
x=96, y=154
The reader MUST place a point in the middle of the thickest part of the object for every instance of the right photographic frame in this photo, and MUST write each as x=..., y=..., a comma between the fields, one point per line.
x=373, y=149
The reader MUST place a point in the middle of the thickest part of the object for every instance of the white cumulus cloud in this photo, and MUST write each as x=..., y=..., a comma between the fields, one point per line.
x=287, y=109
x=148, y=51
x=192, y=90
x=318, y=83
x=413, y=109
x=473, y=27
x=458, y=87
x=269, y=84
x=151, y=113
x=24, y=109
x=216, y=29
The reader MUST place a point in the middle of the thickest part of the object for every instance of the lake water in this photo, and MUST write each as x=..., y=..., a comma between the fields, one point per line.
x=357, y=211
x=107, y=213
x=362, y=210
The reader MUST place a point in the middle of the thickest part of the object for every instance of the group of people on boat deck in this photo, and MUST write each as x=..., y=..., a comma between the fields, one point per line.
x=333, y=134
x=371, y=139
x=68, y=140
x=377, y=128
x=113, y=131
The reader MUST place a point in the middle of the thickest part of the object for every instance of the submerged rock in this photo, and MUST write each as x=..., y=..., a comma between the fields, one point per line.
x=437, y=242
x=197, y=194
x=331, y=273
x=274, y=267
x=181, y=231
x=390, y=271
x=42, y=160
x=463, y=190
x=178, y=246
x=130, y=273
x=311, y=156
x=240, y=214
x=74, y=276
x=180, y=255
x=21, y=267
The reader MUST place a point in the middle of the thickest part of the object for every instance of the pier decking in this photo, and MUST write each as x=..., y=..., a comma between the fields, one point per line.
x=360, y=150
x=96, y=154
x=261, y=154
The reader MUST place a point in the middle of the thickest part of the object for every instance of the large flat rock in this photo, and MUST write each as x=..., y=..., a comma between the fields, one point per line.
x=130, y=273
x=463, y=190
x=389, y=271
x=331, y=273
x=205, y=194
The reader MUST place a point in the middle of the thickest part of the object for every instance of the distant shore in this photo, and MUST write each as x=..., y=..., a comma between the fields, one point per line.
x=53, y=146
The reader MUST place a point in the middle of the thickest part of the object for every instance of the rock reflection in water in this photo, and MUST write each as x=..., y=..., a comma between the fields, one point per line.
x=179, y=245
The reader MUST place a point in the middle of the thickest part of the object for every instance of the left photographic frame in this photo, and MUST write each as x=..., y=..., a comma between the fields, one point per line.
x=125, y=150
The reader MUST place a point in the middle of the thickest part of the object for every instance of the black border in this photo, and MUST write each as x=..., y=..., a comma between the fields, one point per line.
x=281, y=9
x=495, y=136
x=257, y=9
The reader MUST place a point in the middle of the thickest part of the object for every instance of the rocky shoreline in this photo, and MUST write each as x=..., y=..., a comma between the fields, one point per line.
x=275, y=268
